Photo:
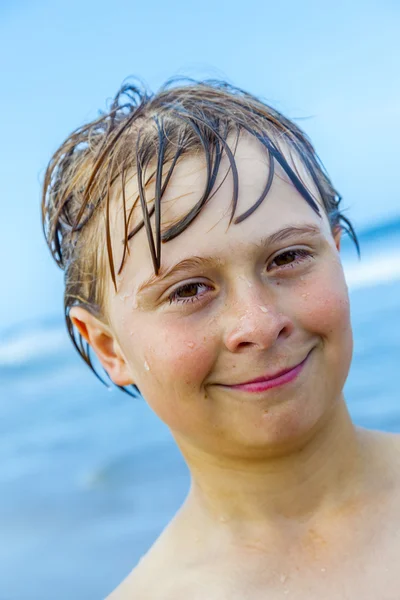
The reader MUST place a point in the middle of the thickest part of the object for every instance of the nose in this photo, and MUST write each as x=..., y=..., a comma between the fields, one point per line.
x=254, y=321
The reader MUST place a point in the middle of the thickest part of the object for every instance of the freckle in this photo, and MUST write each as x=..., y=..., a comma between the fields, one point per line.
x=146, y=365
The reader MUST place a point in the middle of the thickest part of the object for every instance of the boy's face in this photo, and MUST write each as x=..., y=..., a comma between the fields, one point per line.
x=237, y=309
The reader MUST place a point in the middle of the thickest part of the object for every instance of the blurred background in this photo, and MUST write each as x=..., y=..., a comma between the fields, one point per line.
x=88, y=476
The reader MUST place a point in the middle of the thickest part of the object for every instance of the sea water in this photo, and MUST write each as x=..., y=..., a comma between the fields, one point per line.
x=88, y=478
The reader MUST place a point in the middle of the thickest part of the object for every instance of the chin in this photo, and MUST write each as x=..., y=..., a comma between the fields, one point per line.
x=284, y=430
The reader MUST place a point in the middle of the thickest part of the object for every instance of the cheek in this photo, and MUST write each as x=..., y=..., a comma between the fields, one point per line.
x=179, y=360
x=324, y=303
x=176, y=353
x=187, y=356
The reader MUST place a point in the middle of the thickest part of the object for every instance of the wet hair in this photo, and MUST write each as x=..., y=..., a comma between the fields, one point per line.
x=146, y=134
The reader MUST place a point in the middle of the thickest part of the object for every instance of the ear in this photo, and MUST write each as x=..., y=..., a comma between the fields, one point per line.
x=104, y=344
x=337, y=236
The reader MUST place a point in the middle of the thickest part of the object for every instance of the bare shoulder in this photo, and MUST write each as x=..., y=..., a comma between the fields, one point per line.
x=383, y=452
x=385, y=445
x=134, y=586
x=139, y=583
x=151, y=577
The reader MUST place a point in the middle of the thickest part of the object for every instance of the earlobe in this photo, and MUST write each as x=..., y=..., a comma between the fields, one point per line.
x=104, y=344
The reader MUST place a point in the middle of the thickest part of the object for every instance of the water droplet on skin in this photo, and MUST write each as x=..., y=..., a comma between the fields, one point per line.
x=305, y=295
x=283, y=578
x=223, y=519
x=190, y=344
x=146, y=365
x=323, y=570
x=263, y=309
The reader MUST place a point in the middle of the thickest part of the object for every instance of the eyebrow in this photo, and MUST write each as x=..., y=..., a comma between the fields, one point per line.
x=210, y=261
x=289, y=232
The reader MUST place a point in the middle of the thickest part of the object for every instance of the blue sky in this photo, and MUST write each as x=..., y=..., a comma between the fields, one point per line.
x=334, y=65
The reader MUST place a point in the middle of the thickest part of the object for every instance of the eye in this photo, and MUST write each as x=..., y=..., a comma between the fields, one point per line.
x=190, y=292
x=291, y=258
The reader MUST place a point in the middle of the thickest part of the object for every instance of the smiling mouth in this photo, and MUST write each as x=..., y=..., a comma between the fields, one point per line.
x=262, y=384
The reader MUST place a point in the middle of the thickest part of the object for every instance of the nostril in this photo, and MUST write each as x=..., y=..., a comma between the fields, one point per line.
x=285, y=331
x=245, y=344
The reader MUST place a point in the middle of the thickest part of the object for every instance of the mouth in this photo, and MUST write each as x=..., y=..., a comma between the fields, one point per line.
x=262, y=384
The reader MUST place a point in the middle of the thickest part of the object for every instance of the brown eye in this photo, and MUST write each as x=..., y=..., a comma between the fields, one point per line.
x=290, y=258
x=190, y=292
x=187, y=291
x=286, y=257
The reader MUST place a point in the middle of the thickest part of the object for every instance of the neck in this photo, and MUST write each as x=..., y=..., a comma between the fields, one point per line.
x=322, y=475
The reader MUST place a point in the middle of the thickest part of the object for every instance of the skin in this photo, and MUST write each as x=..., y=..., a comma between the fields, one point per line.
x=286, y=493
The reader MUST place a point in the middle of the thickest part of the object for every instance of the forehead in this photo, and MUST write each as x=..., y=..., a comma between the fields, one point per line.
x=211, y=229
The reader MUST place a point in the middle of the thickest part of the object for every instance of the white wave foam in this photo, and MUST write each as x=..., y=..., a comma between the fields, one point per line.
x=32, y=345
x=382, y=268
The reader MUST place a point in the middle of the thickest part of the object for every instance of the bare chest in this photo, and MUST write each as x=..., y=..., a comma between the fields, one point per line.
x=371, y=574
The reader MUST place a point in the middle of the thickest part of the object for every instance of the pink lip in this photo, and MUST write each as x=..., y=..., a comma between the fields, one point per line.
x=262, y=383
